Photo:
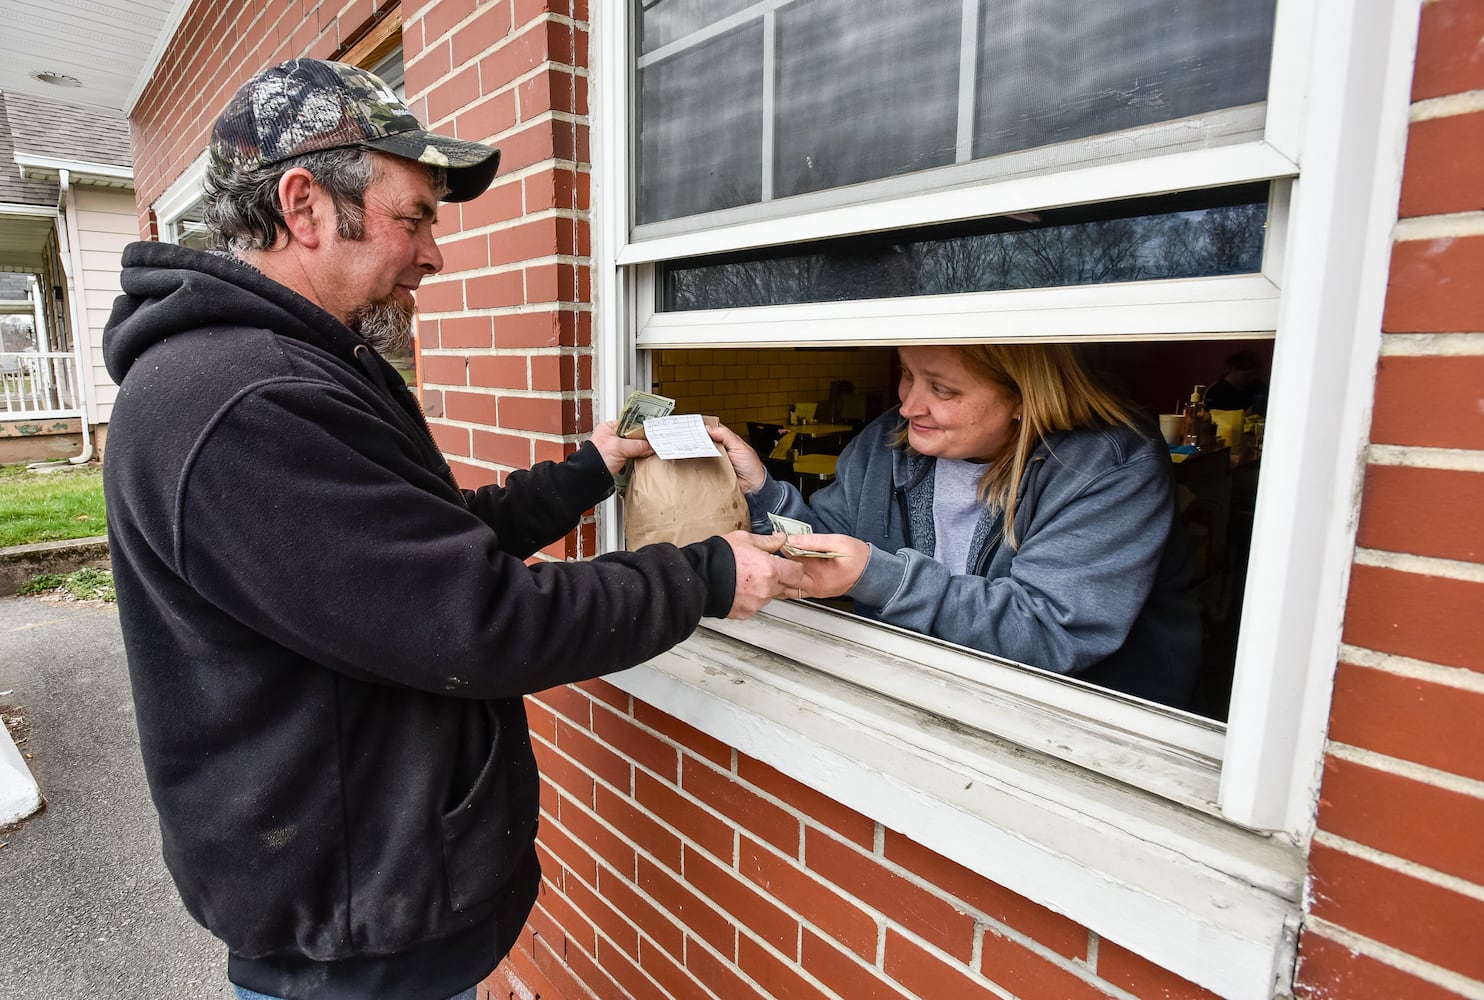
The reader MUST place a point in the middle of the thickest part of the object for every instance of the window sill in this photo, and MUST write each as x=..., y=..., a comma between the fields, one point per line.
x=1211, y=902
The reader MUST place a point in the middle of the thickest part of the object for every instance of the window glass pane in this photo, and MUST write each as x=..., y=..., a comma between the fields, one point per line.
x=17, y=334
x=664, y=21
x=866, y=89
x=1050, y=72
x=393, y=72
x=739, y=104
x=1146, y=239
x=189, y=228
x=701, y=129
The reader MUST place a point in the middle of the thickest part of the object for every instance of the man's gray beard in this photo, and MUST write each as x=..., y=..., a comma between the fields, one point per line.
x=385, y=325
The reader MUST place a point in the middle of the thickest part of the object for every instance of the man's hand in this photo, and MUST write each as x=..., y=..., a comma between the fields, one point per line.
x=831, y=577
x=762, y=576
x=749, y=468
x=616, y=450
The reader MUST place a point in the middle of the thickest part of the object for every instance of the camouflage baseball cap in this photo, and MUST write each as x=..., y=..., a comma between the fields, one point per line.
x=306, y=105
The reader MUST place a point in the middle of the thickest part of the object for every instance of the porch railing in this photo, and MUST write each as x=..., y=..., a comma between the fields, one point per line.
x=39, y=385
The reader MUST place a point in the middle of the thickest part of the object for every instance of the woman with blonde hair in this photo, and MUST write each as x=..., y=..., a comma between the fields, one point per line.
x=1011, y=504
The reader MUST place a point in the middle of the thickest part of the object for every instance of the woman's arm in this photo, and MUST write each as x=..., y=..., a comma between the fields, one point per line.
x=1084, y=570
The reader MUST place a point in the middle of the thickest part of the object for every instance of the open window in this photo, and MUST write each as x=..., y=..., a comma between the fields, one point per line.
x=796, y=187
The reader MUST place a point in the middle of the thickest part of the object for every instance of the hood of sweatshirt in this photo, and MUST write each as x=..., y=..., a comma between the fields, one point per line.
x=169, y=289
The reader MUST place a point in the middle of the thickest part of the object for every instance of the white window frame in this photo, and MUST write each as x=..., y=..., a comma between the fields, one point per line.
x=1201, y=870
x=184, y=194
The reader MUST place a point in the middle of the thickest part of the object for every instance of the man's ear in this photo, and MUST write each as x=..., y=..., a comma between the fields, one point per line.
x=303, y=204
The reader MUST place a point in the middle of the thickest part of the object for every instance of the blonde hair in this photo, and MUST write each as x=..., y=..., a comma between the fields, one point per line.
x=1055, y=393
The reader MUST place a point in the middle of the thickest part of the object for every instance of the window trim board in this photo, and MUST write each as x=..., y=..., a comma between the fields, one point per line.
x=1339, y=257
x=1184, y=308
x=1202, y=168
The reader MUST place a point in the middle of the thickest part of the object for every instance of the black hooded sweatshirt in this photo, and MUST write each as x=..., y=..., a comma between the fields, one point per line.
x=328, y=640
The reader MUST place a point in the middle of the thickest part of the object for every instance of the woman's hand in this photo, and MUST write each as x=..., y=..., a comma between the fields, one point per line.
x=745, y=463
x=831, y=577
x=616, y=450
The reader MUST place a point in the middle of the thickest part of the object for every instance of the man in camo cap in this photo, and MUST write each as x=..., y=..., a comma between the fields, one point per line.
x=328, y=639
x=306, y=105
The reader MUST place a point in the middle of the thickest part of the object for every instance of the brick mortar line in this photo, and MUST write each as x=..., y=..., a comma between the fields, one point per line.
x=579, y=395
x=1450, y=569
x=540, y=215
x=1413, y=456
x=1412, y=771
x=540, y=166
x=1461, y=678
x=1392, y=862
x=505, y=312
x=1439, y=227
x=1442, y=345
x=1396, y=959
x=453, y=277
x=1447, y=106
x=495, y=228
x=556, y=351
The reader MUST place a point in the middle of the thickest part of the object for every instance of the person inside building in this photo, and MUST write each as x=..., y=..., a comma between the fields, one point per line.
x=1241, y=386
x=1010, y=504
x=328, y=640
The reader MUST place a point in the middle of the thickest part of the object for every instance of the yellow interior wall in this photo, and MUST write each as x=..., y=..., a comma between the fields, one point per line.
x=762, y=384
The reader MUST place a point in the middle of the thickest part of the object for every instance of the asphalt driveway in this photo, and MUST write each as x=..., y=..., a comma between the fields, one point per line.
x=86, y=907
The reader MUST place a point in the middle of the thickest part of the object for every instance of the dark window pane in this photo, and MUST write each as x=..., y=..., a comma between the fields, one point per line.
x=866, y=89
x=1050, y=71
x=700, y=128
x=1200, y=235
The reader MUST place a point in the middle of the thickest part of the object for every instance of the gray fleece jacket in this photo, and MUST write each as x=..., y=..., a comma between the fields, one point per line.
x=1099, y=586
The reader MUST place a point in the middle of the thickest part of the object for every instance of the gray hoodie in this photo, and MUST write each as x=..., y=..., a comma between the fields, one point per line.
x=1099, y=586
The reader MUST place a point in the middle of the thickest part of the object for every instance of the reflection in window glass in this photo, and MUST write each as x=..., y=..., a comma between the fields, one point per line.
x=1050, y=72
x=189, y=228
x=863, y=92
x=700, y=128
x=664, y=21
x=742, y=103
x=1141, y=240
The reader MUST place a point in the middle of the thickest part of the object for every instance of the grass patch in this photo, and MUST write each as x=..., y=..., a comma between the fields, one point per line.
x=50, y=506
x=81, y=585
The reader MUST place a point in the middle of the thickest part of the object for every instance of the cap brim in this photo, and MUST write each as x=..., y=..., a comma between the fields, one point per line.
x=470, y=166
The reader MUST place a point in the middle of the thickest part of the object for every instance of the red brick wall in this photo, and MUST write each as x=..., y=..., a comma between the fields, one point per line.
x=506, y=331
x=675, y=867
x=216, y=48
x=1396, y=877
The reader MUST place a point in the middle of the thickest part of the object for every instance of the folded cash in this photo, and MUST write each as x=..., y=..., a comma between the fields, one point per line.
x=788, y=526
x=641, y=406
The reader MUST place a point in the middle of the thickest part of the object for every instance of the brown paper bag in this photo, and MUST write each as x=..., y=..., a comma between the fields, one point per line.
x=681, y=500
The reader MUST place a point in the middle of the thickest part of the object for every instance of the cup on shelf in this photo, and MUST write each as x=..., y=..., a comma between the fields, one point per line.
x=1170, y=427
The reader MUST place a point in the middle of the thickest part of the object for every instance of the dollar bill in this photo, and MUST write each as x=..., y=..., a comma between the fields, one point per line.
x=641, y=406
x=790, y=526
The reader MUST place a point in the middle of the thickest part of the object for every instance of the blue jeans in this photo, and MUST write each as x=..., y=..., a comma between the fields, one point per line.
x=246, y=994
